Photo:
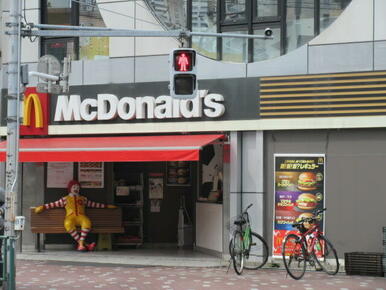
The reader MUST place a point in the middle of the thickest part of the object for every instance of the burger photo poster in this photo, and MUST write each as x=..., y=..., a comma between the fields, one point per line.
x=299, y=191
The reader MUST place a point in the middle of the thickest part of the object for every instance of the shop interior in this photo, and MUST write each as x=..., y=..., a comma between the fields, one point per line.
x=159, y=200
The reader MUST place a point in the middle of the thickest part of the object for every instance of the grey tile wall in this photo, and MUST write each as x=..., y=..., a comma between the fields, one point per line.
x=341, y=57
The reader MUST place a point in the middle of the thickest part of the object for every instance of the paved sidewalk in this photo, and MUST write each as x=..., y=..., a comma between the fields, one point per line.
x=54, y=275
x=128, y=257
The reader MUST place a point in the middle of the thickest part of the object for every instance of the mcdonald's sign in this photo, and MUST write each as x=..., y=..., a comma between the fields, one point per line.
x=35, y=113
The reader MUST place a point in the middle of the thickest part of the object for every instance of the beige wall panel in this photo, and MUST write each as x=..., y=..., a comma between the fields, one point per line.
x=150, y=45
x=119, y=15
x=31, y=4
x=209, y=226
x=379, y=20
x=29, y=49
x=355, y=24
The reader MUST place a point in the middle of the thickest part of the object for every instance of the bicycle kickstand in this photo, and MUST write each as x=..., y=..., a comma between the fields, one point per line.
x=229, y=264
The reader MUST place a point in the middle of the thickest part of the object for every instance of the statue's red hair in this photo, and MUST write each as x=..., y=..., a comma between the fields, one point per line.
x=71, y=183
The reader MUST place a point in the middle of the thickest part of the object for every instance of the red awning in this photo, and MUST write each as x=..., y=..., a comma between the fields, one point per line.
x=142, y=148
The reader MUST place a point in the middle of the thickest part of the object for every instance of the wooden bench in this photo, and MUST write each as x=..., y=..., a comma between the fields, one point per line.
x=50, y=221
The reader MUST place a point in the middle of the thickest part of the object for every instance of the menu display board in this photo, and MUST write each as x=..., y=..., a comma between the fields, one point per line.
x=299, y=192
x=178, y=173
x=91, y=174
x=59, y=174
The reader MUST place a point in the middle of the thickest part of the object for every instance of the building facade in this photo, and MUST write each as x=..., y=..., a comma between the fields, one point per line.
x=316, y=89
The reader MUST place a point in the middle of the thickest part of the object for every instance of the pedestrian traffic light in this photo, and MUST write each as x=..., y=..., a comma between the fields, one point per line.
x=183, y=80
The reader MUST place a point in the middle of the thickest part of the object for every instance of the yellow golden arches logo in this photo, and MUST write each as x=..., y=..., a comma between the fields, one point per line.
x=28, y=101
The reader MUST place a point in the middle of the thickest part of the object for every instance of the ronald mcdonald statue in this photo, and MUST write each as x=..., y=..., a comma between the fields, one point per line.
x=75, y=205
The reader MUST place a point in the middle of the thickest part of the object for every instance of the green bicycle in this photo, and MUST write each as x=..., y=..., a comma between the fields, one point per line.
x=247, y=249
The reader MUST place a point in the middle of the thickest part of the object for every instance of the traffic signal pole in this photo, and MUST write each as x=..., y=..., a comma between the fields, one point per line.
x=11, y=169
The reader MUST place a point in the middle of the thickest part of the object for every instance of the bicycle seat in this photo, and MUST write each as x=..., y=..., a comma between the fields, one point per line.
x=239, y=222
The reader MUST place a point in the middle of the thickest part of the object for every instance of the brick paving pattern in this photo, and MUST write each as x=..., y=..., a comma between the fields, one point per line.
x=63, y=275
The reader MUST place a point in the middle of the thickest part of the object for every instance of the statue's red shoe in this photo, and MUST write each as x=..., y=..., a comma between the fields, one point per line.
x=91, y=247
x=81, y=248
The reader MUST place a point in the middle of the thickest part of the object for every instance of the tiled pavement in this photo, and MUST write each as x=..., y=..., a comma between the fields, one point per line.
x=54, y=275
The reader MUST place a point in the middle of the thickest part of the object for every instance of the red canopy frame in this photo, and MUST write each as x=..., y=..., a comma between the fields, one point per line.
x=110, y=149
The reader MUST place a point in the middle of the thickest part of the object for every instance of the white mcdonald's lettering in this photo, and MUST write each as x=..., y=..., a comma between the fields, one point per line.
x=32, y=99
x=109, y=107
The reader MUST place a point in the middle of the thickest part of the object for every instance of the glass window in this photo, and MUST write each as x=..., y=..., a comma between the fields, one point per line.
x=58, y=12
x=59, y=47
x=330, y=10
x=300, y=23
x=248, y=16
x=171, y=13
x=235, y=49
x=204, y=19
x=266, y=48
x=267, y=8
x=234, y=10
x=92, y=47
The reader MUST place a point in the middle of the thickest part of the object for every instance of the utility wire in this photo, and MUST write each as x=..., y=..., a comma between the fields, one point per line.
x=32, y=39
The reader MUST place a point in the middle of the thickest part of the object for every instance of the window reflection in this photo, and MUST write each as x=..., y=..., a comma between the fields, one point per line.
x=267, y=8
x=92, y=47
x=59, y=12
x=235, y=49
x=59, y=47
x=304, y=20
x=204, y=19
x=330, y=10
x=300, y=23
x=234, y=10
x=172, y=13
x=266, y=48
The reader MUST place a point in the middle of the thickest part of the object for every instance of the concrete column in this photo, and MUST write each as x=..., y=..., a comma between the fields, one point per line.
x=253, y=178
x=247, y=177
x=32, y=195
x=235, y=174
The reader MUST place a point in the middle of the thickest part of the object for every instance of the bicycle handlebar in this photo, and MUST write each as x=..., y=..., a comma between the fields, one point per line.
x=310, y=219
x=248, y=207
x=320, y=211
x=244, y=213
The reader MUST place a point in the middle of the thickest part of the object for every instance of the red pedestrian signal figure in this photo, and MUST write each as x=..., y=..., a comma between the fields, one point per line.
x=183, y=62
x=183, y=80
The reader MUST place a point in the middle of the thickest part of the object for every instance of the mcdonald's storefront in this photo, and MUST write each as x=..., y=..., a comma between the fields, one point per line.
x=125, y=167
x=213, y=154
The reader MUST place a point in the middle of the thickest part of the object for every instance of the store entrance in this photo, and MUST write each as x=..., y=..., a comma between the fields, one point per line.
x=151, y=195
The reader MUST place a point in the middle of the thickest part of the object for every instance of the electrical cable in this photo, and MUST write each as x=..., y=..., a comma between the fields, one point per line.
x=24, y=16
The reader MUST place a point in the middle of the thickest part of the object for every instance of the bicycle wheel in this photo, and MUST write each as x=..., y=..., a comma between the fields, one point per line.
x=231, y=247
x=258, y=253
x=237, y=252
x=293, y=254
x=325, y=255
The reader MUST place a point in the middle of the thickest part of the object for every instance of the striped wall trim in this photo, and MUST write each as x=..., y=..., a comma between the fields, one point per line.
x=323, y=95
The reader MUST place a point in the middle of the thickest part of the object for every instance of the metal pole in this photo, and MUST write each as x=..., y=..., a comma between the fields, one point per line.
x=85, y=31
x=43, y=75
x=12, y=137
